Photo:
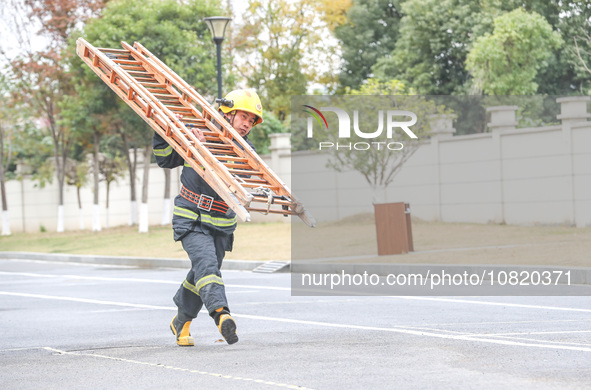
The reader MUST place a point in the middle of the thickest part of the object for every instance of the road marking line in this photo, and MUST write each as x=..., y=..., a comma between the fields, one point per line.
x=528, y=333
x=493, y=303
x=415, y=333
x=317, y=323
x=84, y=300
x=70, y=263
x=538, y=340
x=502, y=322
x=138, y=280
x=176, y=368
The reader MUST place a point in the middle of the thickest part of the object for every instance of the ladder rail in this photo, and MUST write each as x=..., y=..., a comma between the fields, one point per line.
x=225, y=160
x=192, y=94
x=244, y=196
x=159, y=121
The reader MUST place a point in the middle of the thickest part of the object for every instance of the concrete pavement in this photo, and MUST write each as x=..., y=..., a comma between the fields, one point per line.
x=76, y=325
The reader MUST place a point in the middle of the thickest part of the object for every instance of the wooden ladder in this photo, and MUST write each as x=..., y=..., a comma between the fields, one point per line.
x=225, y=161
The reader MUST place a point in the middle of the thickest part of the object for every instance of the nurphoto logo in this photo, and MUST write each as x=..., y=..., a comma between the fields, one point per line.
x=392, y=121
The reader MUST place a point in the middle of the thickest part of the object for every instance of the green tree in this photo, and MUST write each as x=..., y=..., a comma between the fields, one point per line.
x=507, y=61
x=436, y=35
x=573, y=64
x=369, y=33
x=175, y=33
x=433, y=43
x=259, y=135
x=281, y=43
x=43, y=77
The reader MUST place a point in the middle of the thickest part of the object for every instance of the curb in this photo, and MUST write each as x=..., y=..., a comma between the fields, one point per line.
x=142, y=262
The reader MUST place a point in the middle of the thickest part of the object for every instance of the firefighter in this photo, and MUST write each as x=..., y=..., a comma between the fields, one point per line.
x=205, y=226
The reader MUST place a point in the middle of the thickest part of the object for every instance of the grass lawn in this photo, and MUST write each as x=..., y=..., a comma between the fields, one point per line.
x=434, y=243
x=253, y=241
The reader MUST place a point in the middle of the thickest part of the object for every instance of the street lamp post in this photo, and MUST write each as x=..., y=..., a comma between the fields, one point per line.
x=217, y=25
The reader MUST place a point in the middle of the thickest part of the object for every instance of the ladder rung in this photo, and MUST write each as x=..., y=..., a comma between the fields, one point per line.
x=107, y=50
x=165, y=95
x=216, y=145
x=277, y=199
x=240, y=166
x=193, y=119
x=250, y=180
x=148, y=79
x=222, y=153
x=234, y=159
x=154, y=85
x=245, y=172
x=271, y=211
x=127, y=62
x=132, y=67
x=178, y=108
x=142, y=72
x=253, y=185
x=216, y=152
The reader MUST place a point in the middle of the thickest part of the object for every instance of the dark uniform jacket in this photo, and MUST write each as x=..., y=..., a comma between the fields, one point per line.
x=187, y=215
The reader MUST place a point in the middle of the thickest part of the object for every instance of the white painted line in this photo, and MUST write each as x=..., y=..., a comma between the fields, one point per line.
x=528, y=333
x=503, y=322
x=70, y=263
x=136, y=280
x=84, y=300
x=520, y=305
x=139, y=280
x=416, y=333
x=19, y=349
x=158, y=365
x=317, y=323
x=540, y=341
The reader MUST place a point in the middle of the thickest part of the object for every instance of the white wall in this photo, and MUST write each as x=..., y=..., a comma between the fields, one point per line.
x=40, y=204
x=514, y=176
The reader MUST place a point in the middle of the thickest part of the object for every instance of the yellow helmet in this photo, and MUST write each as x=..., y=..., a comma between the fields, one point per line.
x=245, y=100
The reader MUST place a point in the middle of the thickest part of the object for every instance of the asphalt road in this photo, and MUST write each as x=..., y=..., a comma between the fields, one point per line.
x=66, y=326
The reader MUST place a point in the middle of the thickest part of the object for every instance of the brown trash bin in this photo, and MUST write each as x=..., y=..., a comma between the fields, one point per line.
x=393, y=228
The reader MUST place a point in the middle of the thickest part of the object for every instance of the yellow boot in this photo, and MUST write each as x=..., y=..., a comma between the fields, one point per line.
x=183, y=337
x=226, y=326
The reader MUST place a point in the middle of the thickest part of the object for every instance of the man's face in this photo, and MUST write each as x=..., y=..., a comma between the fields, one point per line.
x=243, y=122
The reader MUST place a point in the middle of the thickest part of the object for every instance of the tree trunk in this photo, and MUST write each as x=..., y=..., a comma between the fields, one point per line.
x=131, y=167
x=5, y=218
x=143, y=225
x=96, y=221
x=59, y=170
x=80, y=213
x=107, y=205
x=166, y=205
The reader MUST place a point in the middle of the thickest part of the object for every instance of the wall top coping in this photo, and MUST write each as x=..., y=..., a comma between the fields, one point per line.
x=573, y=99
x=501, y=108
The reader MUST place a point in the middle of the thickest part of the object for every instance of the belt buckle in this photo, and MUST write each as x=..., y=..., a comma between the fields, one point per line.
x=205, y=202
